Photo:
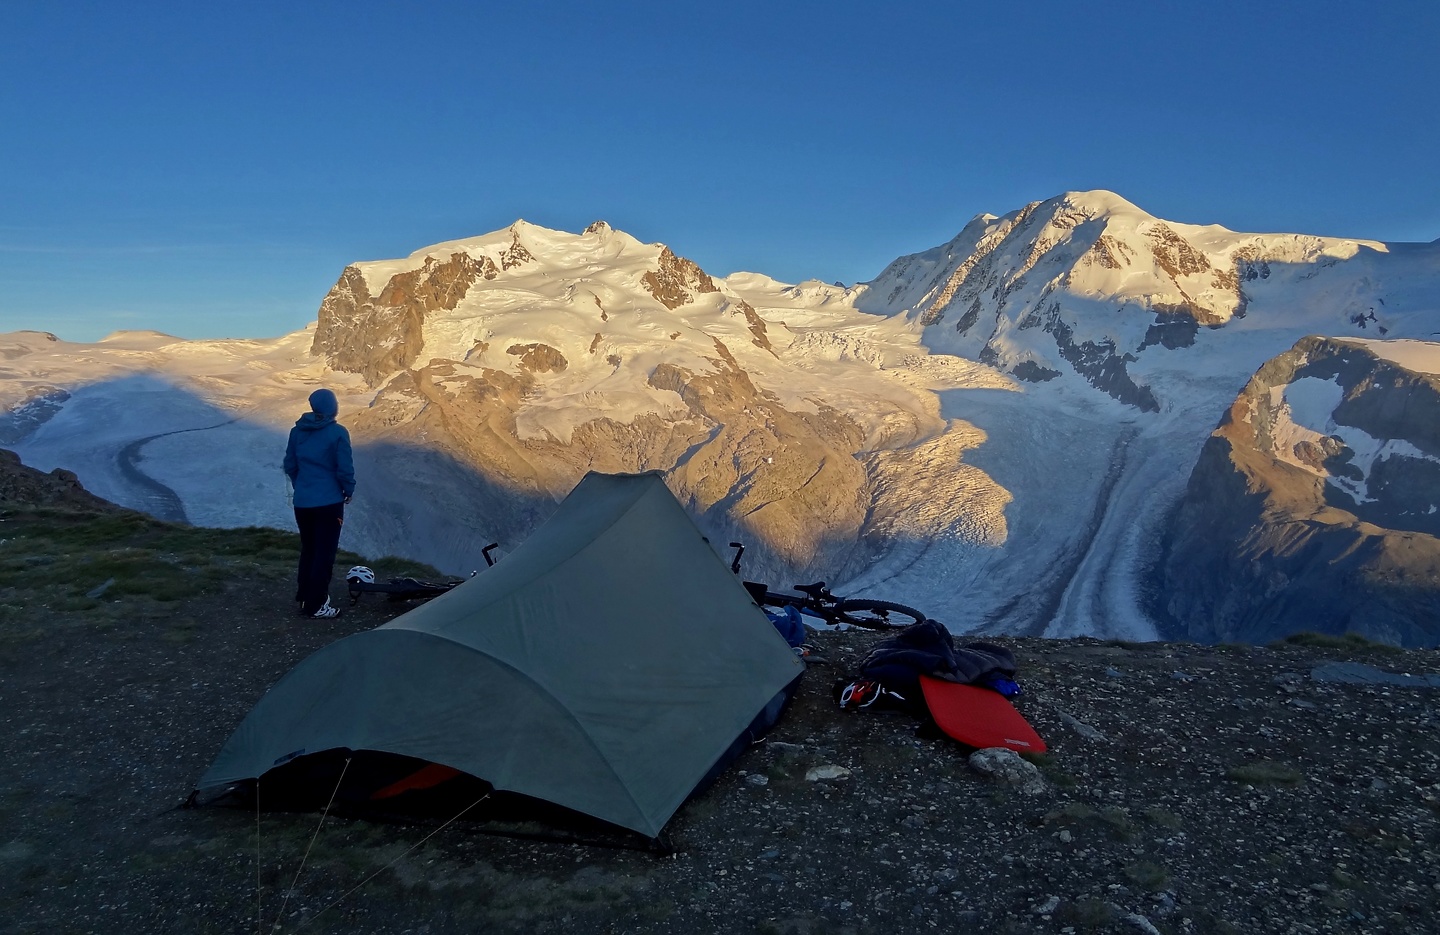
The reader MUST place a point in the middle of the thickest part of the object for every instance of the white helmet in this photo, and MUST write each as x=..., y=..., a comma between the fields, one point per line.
x=360, y=573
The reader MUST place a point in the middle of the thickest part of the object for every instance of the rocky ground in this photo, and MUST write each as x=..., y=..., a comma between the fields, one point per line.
x=1187, y=788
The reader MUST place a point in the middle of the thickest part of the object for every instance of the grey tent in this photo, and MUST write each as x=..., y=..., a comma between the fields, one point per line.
x=607, y=665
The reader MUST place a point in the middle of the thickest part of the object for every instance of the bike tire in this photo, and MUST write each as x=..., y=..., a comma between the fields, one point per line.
x=876, y=615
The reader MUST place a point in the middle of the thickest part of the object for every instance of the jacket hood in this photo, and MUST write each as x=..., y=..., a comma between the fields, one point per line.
x=311, y=421
x=323, y=402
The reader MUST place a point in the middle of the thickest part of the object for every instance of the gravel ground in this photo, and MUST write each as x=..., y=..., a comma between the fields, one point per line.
x=1187, y=789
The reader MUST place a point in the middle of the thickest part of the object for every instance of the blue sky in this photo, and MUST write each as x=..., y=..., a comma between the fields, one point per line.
x=209, y=169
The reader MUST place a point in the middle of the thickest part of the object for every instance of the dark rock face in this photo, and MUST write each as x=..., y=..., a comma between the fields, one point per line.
x=676, y=279
x=1103, y=366
x=21, y=484
x=1173, y=329
x=539, y=358
x=1274, y=538
x=376, y=336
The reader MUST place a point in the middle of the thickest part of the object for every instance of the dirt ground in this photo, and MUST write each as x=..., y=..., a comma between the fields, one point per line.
x=1187, y=789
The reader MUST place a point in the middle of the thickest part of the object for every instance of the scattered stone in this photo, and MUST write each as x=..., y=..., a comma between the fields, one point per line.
x=912, y=822
x=1179, y=676
x=1143, y=924
x=1006, y=765
x=1358, y=673
x=1047, y=907
x=780, y=746
x=97, y=591
x=826, y=772
x=1081, y=728
x=757, y=779
x=1114, y=673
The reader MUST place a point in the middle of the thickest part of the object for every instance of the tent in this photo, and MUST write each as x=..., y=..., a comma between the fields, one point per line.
x=609, y=665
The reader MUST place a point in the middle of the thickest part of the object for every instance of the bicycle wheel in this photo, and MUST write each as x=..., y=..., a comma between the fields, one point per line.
x=876, y=615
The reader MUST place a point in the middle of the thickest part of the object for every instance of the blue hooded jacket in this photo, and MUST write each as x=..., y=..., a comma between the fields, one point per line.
x=317, y=458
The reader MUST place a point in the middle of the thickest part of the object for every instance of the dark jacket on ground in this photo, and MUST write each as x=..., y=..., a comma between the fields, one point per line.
x=897, y=662
x=317, y=458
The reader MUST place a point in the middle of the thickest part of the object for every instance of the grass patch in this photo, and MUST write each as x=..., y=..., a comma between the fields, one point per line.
x=1345, y=880
x=1148, y=874
x=393, y=566
x=1347, y=641
x=1266, y=772
x=1049, y=767
x=1086, y=913
x=1113, y=819
x=69, y=561
x=1162, y=818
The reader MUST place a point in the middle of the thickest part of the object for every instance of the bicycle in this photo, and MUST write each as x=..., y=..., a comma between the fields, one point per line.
x=816, y=600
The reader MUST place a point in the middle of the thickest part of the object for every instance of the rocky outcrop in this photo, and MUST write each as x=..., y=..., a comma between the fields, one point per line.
x=539, y=358
x=376, y=336
x=1315, y=505
x=38, y=406
x=25, y=485
x=676, y=280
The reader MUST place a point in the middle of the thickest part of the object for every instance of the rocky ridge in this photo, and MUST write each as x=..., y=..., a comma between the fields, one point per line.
x=938, y=431
x=1089, y=283
x=1315, y=505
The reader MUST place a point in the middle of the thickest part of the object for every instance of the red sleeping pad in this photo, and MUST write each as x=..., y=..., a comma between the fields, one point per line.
x=978, y=717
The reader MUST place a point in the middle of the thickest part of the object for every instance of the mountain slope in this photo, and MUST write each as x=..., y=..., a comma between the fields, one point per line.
x=1316, y=503
x=995, y=430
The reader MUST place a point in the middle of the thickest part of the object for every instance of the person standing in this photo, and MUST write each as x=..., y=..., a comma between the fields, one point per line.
x=321, y=470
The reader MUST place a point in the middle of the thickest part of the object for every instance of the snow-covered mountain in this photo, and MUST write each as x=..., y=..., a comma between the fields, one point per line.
x=994, y=430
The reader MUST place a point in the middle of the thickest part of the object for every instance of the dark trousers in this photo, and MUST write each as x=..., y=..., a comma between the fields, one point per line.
x=319, y=539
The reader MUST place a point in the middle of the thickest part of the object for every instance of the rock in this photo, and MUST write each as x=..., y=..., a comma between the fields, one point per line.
x=1065, y=836
x=826, y=772
x=101, y=589
x=756, y=779
x=1143, y=924
x=1358, y=673
x=1006, y=765
x=1081, y=728
x=1046, y=907
x=780, y=746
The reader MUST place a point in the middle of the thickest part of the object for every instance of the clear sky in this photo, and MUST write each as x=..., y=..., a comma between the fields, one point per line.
x=208, y=169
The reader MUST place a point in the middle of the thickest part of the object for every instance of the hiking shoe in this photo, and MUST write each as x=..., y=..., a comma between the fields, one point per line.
x=326, y=610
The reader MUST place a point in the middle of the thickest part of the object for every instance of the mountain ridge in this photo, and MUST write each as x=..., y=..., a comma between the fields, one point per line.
x=1000, y=423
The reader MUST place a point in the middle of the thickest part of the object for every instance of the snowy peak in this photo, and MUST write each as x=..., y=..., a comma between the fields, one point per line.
x=383, y=317
x=1087, y=283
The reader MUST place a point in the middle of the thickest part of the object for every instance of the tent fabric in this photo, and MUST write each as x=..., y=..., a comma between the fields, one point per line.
x=606, y=665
